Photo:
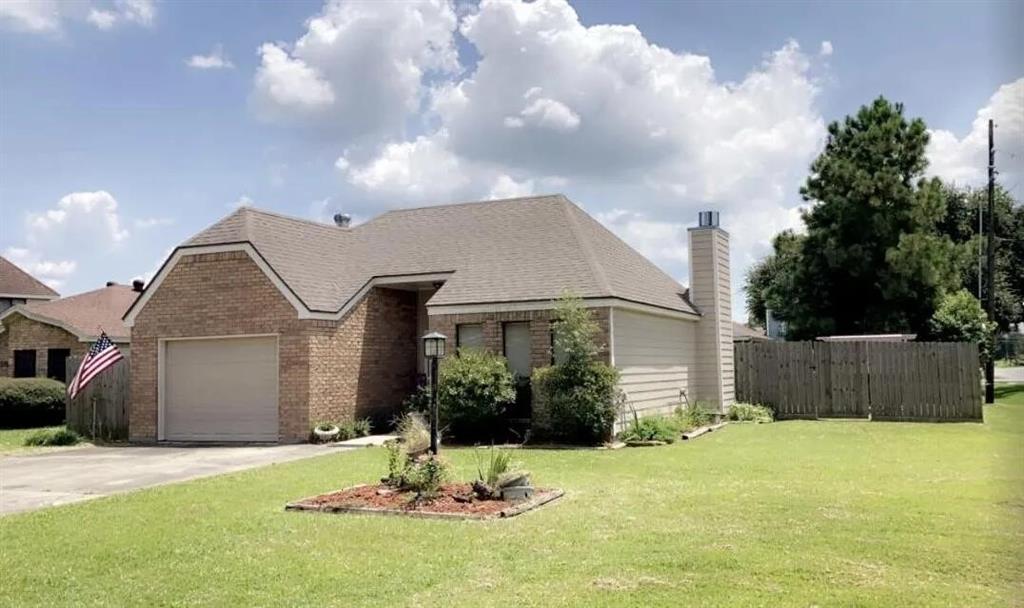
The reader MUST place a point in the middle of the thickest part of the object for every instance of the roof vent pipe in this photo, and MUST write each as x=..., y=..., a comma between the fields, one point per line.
x=138, y=284
x=342, y=220
x=111, y=283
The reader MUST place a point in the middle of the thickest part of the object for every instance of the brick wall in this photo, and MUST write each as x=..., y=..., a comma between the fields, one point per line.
x=540, y=331
x=365, y=364
x=220, y=294
x=24, y=333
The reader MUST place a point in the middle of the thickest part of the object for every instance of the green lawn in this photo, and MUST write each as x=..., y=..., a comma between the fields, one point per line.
x=13, y=440
x=787, y=514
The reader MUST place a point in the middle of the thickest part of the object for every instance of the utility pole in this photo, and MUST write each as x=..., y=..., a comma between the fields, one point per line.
x=990, y=279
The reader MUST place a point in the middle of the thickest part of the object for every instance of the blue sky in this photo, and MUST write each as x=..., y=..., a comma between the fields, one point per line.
x=113, y=149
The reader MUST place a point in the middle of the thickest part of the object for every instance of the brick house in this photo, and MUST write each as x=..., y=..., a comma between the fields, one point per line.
x=262, y=325
x=37, y=337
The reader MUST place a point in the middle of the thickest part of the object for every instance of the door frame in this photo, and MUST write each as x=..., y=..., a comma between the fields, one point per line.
x=161, y=374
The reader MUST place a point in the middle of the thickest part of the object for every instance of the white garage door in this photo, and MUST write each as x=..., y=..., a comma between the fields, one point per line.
x=222, y=389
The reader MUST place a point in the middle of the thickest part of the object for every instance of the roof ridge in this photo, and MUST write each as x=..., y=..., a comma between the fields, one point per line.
x=492, y=201
x=284, y=216
x=585, y=245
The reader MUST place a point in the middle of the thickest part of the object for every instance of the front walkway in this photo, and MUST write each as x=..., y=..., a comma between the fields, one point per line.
x=46, y=479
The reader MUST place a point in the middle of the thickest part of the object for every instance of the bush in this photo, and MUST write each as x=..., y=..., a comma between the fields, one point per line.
x=425, y=475
x=413, y=433
x=651, y=428
x=354, y=429
x=746, y=412
x=29, y=402
x=960, y=318
x=418, y=402
x=697, y=415
x=61, y=436
x=577, y=399
x=473, y=392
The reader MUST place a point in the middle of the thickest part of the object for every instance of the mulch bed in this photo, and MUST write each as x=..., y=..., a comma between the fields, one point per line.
x=452, y=502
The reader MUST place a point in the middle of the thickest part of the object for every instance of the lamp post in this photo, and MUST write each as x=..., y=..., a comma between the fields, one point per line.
x=433, y=349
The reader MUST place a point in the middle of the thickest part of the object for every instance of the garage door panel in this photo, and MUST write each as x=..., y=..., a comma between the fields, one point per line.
x=222, y=389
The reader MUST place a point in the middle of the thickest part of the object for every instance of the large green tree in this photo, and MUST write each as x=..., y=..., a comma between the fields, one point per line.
x=873, y=259
x=961, y=225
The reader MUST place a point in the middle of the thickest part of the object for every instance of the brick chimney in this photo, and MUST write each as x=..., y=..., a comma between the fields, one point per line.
x=711, y=292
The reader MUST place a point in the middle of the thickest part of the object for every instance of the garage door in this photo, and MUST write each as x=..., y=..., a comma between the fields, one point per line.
x=222, y=389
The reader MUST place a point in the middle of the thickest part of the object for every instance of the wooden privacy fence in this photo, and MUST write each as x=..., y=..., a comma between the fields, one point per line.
x=922, y=381
x=100, y=410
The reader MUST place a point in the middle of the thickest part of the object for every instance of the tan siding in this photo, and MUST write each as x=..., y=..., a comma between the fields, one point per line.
x=655, y=356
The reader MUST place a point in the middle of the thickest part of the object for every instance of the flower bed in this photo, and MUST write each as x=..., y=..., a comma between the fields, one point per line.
x=451, y=501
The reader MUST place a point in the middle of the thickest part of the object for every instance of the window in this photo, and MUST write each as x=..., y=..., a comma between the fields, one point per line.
x=24, y=363
x=517, y=348
x=557, y=356
x=469, y=335
x=56, y=363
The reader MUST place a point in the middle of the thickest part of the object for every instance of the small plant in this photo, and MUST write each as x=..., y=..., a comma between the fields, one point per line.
x=497, y=472
x=425, y=475
x=398, y=464
x=414, y=433
x=47, y=437
x=418, y=402
x=323, y=432
x=362, y=427
x=354, y=429
x=746, y=412
x=690, y=417
x=650, y=428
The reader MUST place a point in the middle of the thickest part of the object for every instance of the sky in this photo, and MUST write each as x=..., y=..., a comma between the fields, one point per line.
x=127, y=126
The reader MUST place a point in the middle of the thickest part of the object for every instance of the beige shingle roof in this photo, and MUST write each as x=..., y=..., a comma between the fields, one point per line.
x=89, y=313
x=16, y=282
x=510, y=250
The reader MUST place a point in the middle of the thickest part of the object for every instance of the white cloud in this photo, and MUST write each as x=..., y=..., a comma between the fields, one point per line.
x=965, y=160
x=826, y=48
x=545, y=113
x=53, y=273
x=215, y=60
x=359, y=68
x=243, y=201
x=49, y=16
x=90, y=216
x=662, y=242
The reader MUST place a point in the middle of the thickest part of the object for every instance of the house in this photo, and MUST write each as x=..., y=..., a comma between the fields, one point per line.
x=741, y=332
x=37, y=337
x=19, y=287
x=262, y=325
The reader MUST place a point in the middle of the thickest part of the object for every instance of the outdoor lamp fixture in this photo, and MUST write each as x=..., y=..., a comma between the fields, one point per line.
x=433, y=348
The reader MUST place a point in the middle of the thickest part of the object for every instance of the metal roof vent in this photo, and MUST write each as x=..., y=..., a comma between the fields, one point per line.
x=342, y=220
x=111, y=283
x=707, y=219
x=138, y=284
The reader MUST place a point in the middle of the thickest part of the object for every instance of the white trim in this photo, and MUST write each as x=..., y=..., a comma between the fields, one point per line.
x=179, y=253
x=611, y=336
x=300, y=307
x=161, y=362
x=462, y=309
x=21, y=296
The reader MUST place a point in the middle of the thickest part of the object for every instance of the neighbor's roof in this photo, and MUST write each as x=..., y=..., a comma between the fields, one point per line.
x=16, y=282
x=513, y=250
x=86, y=314
x=741, y=332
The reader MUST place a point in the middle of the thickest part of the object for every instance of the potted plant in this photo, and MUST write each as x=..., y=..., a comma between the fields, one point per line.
x=325, y=431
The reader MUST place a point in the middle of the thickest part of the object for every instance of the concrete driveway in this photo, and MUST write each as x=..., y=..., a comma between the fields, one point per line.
x=39, y=480
x=1010, y=374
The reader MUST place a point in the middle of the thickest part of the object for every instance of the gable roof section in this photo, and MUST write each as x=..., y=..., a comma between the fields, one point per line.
x=85, y=315
x=514, y=250
x=15, y=282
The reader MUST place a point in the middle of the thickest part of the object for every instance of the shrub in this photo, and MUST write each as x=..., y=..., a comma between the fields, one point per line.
x=576, y=399
x=417, y=402
x=425, y=475
x=693, y=416
x=61, y=436
x=354, y=429
x=651, y=428
x=746, y=412
x=414, y=433
x=960, y=318
x=473, y=392
x=28, y=402
x=496, y=472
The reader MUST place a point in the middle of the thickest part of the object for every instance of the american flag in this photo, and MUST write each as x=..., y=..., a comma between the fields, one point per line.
x=102, y=355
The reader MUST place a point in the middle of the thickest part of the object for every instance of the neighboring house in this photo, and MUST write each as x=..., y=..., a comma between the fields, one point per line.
x=741, y=332
x=36, y=338
x=262, y=325
x=19, y=287
x=869, y=338
x=774, y=327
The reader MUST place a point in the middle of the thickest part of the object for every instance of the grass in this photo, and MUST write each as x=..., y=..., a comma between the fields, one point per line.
x=799, y=513
x=13, y=440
